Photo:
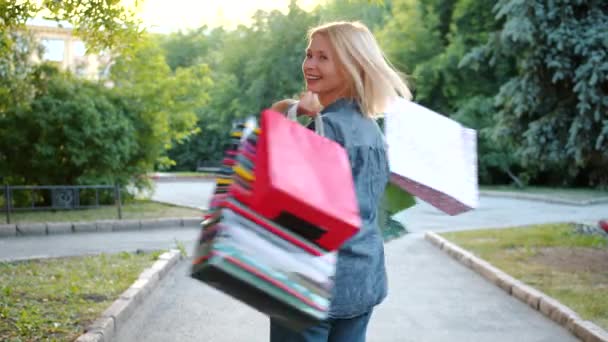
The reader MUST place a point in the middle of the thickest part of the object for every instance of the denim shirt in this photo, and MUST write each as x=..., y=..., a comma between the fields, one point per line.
x=360, y=279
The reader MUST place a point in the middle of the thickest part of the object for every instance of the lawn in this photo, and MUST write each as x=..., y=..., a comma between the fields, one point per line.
x=55, y=299
x=553, y=258
x=136, y=210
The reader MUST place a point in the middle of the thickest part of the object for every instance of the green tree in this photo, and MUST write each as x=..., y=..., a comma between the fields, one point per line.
x=433, y=40
x=164, y=103
x=206, y=147
x=412, y=42
x=102, y=24
x=471, y=87
x=73, y=132
x=274, y=71
x=16, y=70
x=554, y=108
x=253, y=66
x=185, y=49
x=371, y=13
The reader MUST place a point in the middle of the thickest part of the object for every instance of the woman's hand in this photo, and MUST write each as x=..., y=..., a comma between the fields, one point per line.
x=309, y=104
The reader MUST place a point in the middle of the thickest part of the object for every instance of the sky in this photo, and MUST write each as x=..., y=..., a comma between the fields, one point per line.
x=165, y=16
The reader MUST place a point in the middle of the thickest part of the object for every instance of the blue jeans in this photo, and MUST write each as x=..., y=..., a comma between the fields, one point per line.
x=331, y=330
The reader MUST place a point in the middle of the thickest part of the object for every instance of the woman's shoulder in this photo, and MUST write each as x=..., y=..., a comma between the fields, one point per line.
x=357, y=134
x=341, y=108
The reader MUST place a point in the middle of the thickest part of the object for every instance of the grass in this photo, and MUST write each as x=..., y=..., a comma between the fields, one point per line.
x=570, y=267
x=576, y=194
x=55, y=299
x=137, y=210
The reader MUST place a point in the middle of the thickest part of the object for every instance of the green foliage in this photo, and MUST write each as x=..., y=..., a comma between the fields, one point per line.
x=102, y=24
x=163, y=103
x=529, y=76
x=57, y=129
x=252, y=67
x=408, y=38
x=72, y=132
x=371, y=13
x=16, y=71
x=185, y=49
x=433, y=40
x=273, y=70
x=206, y=147
x=554, y=108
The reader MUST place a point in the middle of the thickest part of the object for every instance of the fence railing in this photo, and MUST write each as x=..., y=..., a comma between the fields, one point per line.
x=59, y=197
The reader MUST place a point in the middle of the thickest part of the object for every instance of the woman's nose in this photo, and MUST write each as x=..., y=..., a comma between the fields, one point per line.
x=310, y=63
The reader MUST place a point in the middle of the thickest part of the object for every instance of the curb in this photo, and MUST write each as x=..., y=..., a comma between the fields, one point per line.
x=553, y=309
x=105, y=327
x=53, y=228
x=542, y=198
x=202, y=208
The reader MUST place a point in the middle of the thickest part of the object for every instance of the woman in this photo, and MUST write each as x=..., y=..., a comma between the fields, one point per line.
x=346, y=73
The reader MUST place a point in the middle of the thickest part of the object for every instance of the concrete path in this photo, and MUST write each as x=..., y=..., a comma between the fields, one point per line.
x=493, y=212
x=499, y=212
x=194, y=194
x=45, y=246
x=432, y=297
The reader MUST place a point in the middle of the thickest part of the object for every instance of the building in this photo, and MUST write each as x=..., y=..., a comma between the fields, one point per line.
x=67, y=51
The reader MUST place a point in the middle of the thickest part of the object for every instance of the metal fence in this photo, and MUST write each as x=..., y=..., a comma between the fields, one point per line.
x=59, y=197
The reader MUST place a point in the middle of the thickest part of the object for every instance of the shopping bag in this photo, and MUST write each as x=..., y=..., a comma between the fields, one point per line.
x=224, y=176
x=263, y=265
x=432, y=157
x=278, y=264
x=302, y=180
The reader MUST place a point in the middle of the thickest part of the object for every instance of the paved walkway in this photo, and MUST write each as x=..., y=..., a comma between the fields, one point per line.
x=499, y=212
x=189, y=194
x=45, y=246
x=432, y=297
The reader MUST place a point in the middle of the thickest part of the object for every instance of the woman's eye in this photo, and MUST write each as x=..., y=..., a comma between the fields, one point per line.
x=324, y=58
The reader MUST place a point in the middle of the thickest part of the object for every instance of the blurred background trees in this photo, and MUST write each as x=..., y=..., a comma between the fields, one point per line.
x=530, y=76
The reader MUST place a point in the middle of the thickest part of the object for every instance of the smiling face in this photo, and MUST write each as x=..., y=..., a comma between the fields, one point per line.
x=322, y=70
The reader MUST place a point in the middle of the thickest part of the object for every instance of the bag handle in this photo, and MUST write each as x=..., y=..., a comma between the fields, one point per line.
x=292, y=114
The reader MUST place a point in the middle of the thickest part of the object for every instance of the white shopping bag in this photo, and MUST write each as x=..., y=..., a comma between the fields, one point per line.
x=432, y=157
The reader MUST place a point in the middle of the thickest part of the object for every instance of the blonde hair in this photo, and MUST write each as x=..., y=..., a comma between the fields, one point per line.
x=373, y=80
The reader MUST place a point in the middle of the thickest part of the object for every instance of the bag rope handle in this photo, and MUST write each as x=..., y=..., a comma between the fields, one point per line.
x=292, y=114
